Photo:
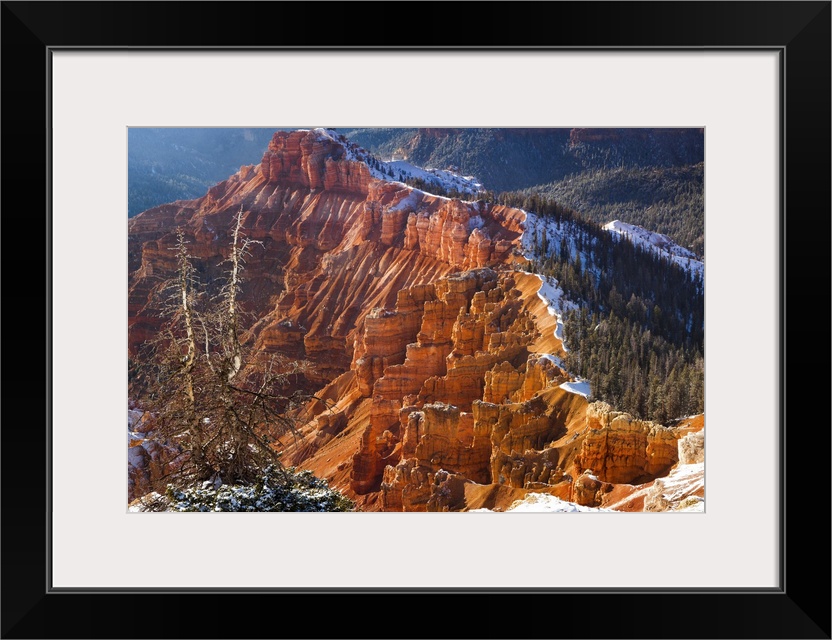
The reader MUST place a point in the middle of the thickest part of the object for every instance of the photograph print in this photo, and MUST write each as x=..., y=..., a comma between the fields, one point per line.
x=402, y=319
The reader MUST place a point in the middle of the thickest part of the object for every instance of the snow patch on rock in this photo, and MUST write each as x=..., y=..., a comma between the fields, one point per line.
x=657, y=243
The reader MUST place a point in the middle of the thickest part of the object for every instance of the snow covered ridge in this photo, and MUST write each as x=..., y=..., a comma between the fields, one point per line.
x=657, y=242
x=401, y=170
x=579, y=386
x=542, y=236
x=535, y=230
x=443, y=178
x=556, y=305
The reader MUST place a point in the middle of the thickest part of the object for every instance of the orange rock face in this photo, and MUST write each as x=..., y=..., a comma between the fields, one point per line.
x=313, y=160
x=334, y=248
x=469, y=323
x=621, y=449
x=149, y=463
x=588, y=490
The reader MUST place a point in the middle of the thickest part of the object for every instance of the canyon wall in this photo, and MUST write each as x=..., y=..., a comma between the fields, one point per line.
x=334, y=244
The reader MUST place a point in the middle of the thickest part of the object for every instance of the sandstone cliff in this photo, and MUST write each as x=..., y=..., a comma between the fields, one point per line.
x=336, y=244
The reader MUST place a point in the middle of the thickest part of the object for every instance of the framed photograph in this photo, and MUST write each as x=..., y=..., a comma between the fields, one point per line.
x=753, y=79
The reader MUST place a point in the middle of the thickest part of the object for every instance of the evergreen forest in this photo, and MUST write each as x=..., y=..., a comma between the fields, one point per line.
x=638, y=333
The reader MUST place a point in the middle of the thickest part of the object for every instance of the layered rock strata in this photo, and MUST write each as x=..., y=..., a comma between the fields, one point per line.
x=467, y=324
x=334, y=243
x=621, y=449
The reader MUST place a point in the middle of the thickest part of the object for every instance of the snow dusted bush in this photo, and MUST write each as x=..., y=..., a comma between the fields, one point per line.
x=277, y=490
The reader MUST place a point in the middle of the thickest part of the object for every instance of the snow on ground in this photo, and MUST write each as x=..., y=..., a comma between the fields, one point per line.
x=683, y=480
x=402, y=170
x=410, y=201
x=553, y=359
x=544, y=233
x=677, y=488
x=536, y=230
x=578, y=386
x=440, y=177
x=544, y=503
x=680, y=485
x=475, y=222
x=556, y=303
x=692, y=504
x=658, y=243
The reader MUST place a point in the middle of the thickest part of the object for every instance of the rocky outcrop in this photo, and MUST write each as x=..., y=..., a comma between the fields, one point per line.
x=314, y=159
x=334, y=244
x=588, y=490
x=387, y=334
x=531, y=469
x=406, y=486
x=493, y=444
x=622, y=449
x=447, y=492
x=692, y=448
x=504, y=383
x=470, y=322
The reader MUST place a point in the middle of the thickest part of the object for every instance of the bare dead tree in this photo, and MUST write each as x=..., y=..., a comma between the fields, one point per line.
x=211, y=395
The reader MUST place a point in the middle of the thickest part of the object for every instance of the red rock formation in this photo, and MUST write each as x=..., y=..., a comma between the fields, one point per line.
x=505, y=383
x=149, y=464
x=447, y=492
x=621, y=449
x=315, y=160
x=333, y=247
x=588, y=490
x=469, y=322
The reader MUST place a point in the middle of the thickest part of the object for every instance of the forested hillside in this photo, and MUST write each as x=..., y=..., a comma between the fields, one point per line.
x=177, y=163
x=668, y=200
x=502, y=159
x=638, y=332
x=653, y=178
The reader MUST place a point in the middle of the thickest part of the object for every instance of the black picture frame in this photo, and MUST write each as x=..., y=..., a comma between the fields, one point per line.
x=800, y=608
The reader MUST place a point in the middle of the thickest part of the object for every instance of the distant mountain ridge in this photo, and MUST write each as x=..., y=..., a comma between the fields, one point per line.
x=653, y=178
x=667, y=200
x=180, y=163
x=507, y=159
x=659, y=243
